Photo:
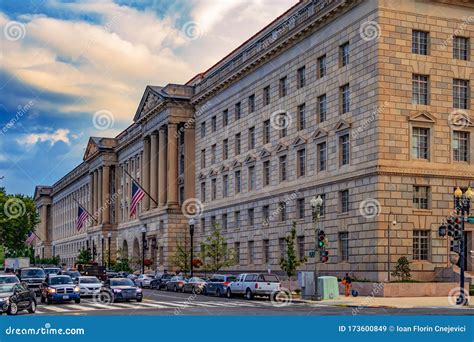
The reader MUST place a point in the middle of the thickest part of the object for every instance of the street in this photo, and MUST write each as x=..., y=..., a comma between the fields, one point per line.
x=175, y=304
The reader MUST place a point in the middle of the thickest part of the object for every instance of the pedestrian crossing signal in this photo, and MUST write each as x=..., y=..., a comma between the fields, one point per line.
x=324, y=256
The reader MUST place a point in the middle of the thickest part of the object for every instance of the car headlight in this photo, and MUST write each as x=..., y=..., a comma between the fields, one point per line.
x=77, y=289
x=139, y=290
x=52, y=290
x=117, y=290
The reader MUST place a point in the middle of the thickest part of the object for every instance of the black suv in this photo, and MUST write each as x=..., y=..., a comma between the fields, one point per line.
x=16, y=297
x=33, y=277
x=160, y=281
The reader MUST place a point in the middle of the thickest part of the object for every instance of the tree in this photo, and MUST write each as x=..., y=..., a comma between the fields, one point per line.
x=402, y=269
x=214, y=252
x=122, y=263
x=182, y=257
x=84, y=257
x=290, y=262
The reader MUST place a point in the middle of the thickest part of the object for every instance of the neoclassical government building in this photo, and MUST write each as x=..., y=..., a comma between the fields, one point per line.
x=365, y=103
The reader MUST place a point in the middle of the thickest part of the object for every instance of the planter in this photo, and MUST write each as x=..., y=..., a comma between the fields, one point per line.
x=403, y=289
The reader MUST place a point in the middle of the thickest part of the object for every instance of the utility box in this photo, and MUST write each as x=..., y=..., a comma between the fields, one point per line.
x=328, y=287
x=306, y=283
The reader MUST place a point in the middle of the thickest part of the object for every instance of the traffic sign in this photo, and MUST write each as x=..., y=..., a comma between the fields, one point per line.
x=312, y=254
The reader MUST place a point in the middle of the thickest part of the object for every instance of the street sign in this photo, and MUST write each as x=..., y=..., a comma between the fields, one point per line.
x=470, y=219
x=312, y=254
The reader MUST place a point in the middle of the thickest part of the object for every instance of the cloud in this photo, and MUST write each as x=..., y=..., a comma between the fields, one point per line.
x=52, y=138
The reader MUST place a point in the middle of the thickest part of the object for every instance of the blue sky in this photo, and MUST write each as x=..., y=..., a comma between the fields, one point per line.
x=65, y=63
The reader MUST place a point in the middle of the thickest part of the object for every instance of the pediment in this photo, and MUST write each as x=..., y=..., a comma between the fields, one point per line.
x=342, y=125
x=319, y=134
x=213, y=173
x=236, y=164
x=91, y=149
x=250, y=159
x=281, y=148
x=202, y=176
x=423, y=116
x=224, y=168
x=460, y=119
x=150, y=100
x=298, y=141
x=264, y=153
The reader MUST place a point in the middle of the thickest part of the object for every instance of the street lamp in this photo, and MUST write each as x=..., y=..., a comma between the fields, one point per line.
x=390, y=224
x=143, y=247
x=109, y=239
x=192, y=222
x=316, y=204
x=102, y=249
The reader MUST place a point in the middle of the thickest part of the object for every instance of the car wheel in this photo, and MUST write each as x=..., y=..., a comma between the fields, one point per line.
x=13, y=309
x=248, y=294
x=228, y=294
x=77, y=301
x=32, y=308
x=204, y=291
x=218, y=293
x=139, y=300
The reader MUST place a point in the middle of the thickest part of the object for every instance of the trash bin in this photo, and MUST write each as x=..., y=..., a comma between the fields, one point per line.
x=328, y=287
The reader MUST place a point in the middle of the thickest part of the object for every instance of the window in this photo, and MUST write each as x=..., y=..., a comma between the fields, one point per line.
x=266, y=251
x=344, y=245
x=265, y=214
x=344, y=54
x=419, y=42
x=300, y=208
x=301, y=77
x=461, y=146
x=251, y=216
x=301, y=116
x=300, y=244
x=344, y=201
x=237, y=144
x=282, y=244
x=203, y=159
x=421, y=244
x=203, y=191
x=225, y=149
x=282, y=210
x=251, y=138
x=251, y=101
x=283, y=124
x=322, y=66
x=420, y=89
x=225, y=117
x=460, y=94
x=301, y=159
x=213, y=189
x=283, y=173
x=322, y=108
x=345, y=98
x=213, y=221
x=251, y=178
x=214, y=124
x=461, y=48
x=225, y=221
x=420, y=143
x=237, y=251
x=203, y=224
x=344, y=145
x=266, y=173
x=238, y=182
x=266, y=132
x=237, y=219
x=322, y=209
x=283, y=88
x=225, y=185
x=322, y=156
x=251, y=252
x=213, y=154
x=238, y=110
x=421, y=197
x=203, y=129
x=266, y=95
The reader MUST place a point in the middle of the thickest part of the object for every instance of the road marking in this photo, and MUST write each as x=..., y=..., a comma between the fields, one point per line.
x=169, y=303
x=103, y=306
x=153, y=305
x=78, y=307
x=56, y=309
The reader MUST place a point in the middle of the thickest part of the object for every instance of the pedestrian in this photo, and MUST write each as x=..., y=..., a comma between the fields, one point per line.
x=347, y=282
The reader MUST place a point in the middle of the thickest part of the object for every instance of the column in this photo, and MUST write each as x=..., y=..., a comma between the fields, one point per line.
x=153, y=168
x=106, y=193
x=146, y=172
x=189, y=163
x=96, y=197
x=100, y=203
x=172, y=164
x=162, y=168
x=91, y=193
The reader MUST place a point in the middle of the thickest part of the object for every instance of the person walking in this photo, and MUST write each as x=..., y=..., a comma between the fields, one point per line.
x=347, y=282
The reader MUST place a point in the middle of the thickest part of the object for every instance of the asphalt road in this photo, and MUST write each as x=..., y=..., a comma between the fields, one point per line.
x=158, y=303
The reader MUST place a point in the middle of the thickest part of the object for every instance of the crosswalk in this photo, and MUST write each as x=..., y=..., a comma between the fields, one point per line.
x=147, y=304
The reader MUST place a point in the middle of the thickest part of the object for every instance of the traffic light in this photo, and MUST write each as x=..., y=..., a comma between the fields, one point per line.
x=324, y=256
x=442, y=231
x=321, y=239
x=450, y=225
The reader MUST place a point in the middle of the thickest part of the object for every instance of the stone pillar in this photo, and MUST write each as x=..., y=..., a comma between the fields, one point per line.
x=162, y=168
x=96, y=197
x=153, y=168
x=91, y=193
x=118, y=189
x=106, y=194
x=100, y=203
x=172, y=164
x=189, y=163
x=146, y=172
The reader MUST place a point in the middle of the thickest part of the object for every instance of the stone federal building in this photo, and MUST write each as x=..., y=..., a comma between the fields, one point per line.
x=366, y=103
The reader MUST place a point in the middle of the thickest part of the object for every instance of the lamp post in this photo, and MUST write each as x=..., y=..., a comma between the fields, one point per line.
x=143, y=248
x=389, y=224
x=102, y=249
x=192, y=222
x=316, y=204
x=109, y=240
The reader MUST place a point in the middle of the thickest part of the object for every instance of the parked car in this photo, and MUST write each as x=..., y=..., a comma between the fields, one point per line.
x=132, y=277
x=52, y=270
x=33, y=277
x=176, y=283
x=111, y=274
x=15, y=298
x=195, y=285
x=59, y=288
x=122, y=274
x=9, y=279
x=254, y=284
x=144, y=280
x=160, y=281
x=217, y=284
x=89, y=286
x=73, y=274
x=118, y=289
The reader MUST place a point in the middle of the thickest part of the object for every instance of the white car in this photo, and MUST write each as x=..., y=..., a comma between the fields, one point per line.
x=254, y=284
x=89, y=285
x=144, y=280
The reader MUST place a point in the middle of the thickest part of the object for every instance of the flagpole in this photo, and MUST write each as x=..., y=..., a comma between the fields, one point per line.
x=88, y=213
x=146, y=192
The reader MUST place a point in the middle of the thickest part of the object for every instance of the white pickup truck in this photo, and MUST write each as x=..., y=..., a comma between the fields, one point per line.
x=254, y=284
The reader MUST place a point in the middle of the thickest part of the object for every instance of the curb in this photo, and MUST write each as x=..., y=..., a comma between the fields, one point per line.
x=303, y=301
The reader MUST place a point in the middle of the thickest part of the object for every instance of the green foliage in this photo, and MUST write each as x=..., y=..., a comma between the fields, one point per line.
x=215, y=254
x=84, y=257
x=18, y=217
x=122, y=263
x=46, y=261
x=290, y=262
x=182, y=257
x=402, y=269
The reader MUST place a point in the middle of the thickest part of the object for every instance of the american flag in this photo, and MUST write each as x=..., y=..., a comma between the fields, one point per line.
x=137, y=195
x=31, y=237
x=82, y=216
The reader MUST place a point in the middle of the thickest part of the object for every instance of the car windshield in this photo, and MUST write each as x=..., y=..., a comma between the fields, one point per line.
x=51, y=271
x=5, y=288
x=73, y=274
x=121, y=282
x=34, y=273
x=9, y=280
x=92, y=280
x=60, y=280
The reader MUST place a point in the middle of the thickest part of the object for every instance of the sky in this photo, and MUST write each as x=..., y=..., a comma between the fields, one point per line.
x=74, y=69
